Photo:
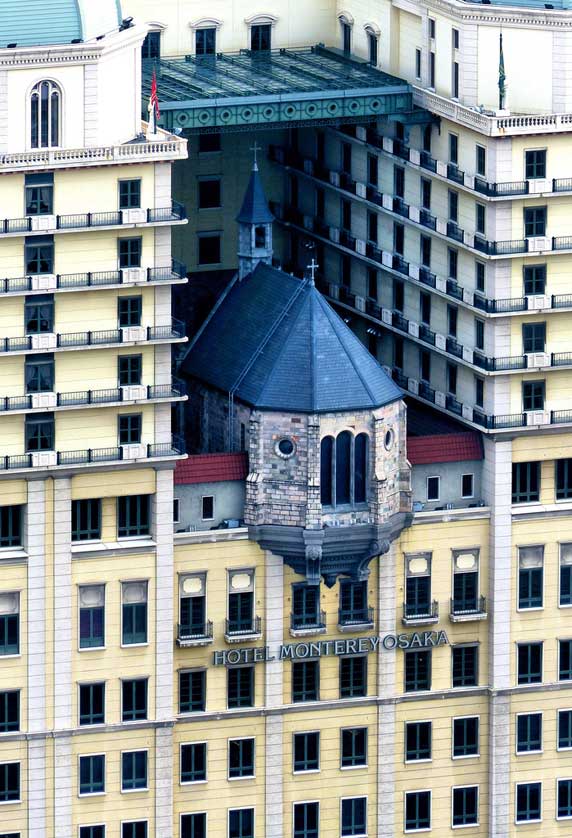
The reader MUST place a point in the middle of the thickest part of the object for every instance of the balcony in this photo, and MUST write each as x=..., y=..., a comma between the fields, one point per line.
x=48, y=460
x=237, y=631
x=91, y=398
x=454, y=231
x=419, y=615
x=357, y=619
x=465, y=610
x=400, y=207
x=195, y=635
x=427, y=219
x=302, y=625
x=455, y=174
x=43, y=224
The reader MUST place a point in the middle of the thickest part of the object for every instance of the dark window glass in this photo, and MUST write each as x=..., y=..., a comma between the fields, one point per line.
x=9, y=711
x=466, y=737
x=130, y=428
x=134, y=829
x=465, y=666
x=479, y=392
x=241, y=758
x=417, y=670
x=241, y=612
x=343, y=460
x=417, y=741
x=192, y=614
x=353, y=602
x=305, y=680
x=399, y=239
x=241, y=823
x=306, y=747
x=372, y=169
x=129, y=370
x=535, y=163
x=45, y=115
x=425, y=193
x=129, y=194
x=481, y=160
x=453, y=149
x=565, y=575
x=417, y=810
x=346, y=38
x=534, y=221
x=86, y=519
x=354, y=816
x=565, y=728
x=534, y=279
x=240, y=687
x=39, y=314
x=533, y=395
x=129, y=310
x=418, y=596
x=192, y=691
x=530, y=577
x=306, y=820
x=360, y=468
x=528, y=802
x=453, y=206
x=353, y=677
x=425, y=365
x=398, y=352
x=565, y=660
x=528, y=732
x=398, y=295
x=530, y=663
x=91, y=616
x=91, y=704
x=453, y=263
x=9, y=782
x=39, y=373
x=40, y=432
x=465, y=806
x=134, y=700
x=194, y=762
x=480, y=276
x=10, y=526
x=133, y=513
x=305, y=605
x=134, y=770
x=534, y=337
x=39, y=194
x=207, y=503
x=418, y=63
x=480, y=219
x=433, y=488
x=209, y=193
x=432, y=70
x=426, y=252
x=209, y=143
x=565, y=798
x=134, y=614
x=452, y=320
x=209, y=249
x=85, y=832
x=130, y=252
x=151, y=46
x=205, y=41
x=39, y=255
x=260, y=37
x=525, y=482
x=194, y=826
x=354, y=747
x=92, y=774
x=563, y=479
x=372, y=44
x=425, y=306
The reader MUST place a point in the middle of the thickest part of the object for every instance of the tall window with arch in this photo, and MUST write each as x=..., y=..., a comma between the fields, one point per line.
x=344, y=469
x=45, y=114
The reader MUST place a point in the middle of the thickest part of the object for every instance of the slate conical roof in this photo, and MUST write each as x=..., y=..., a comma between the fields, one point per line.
x=277, y=344
x=254, y=208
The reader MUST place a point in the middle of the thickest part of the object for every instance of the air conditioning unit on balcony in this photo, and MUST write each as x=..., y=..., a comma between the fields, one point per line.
x=44, y=282
x=134, y=275
x=45, y=340
x=386, y=316
x=413, y=385
x=468, y=412
x=44, y=459
x=468, y=239
x=334, y=234
x=537, y=244
x=47, y=400
x=440, y=398
x=309, y=166
x=414, y=156
x=387, y=202
x=360, y=303
x=413, y=328
x=335, y=178
x=537, y=185
x=361, y=246
x=361, y=189
x=134, y=216
x=538, y=359
x=42, y=222
x=537, y=417
x=387, y=144
x=414, y=214
x=470, y=181
x=441, y=226
x=538, y=301
x=134, y=452
x=130, y=334
x=361, y=133
x=441, y=168
x=134, y=392
x=467, y=354
x=441, y=284
x=308, y=222
x=413, y=271
x=440, y=341
x=387, y=259
x=467, y=296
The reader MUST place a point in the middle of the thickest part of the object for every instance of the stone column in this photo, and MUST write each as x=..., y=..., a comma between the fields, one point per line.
x=386, y=691
x=273, y=672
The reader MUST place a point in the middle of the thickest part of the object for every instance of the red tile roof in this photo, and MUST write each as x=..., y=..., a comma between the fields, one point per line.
x=211, y=468
x=444, y=448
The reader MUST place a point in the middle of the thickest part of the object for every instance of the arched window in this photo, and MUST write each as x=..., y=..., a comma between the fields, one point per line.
x=344, y=469
x=45, y=111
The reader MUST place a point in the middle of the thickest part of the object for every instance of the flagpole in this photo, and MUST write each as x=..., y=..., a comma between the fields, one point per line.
x=502, y=76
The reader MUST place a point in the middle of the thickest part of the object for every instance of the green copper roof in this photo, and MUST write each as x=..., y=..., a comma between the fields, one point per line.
x=45, y=22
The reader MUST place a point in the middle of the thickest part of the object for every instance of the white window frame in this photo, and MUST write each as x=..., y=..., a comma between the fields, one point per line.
x=354, y=767
x=460, y=718
x=470, y=474
x=176, y=510
x=425, y=828
x=92, y=648
x=134, y=751
x=312, y=770
x=558, y=711
x=92, y=793
x=185, y=783
x=357, y=797
x=520, y=610
x=123, y=582
x=416, y=722
x=238, y=809
x=556, y=815
x=203, y=497
x=517, y=716
x=427, y=479
x=478, y=821
x=528, y=783
x=240, y=739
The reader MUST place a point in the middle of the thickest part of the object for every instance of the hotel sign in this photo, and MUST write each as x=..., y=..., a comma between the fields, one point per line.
x=327, y=648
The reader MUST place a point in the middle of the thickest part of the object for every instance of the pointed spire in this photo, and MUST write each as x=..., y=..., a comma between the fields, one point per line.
x=255, y=209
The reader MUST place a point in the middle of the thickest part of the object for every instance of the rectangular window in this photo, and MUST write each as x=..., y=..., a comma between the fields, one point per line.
x=372, y=169
x=86, y=519
x=39, y=255
x=133, y=516
x=353, y=677
x=480, y=276
x=353, y=747
x=97, y=831
x=534, y=221
x=207, y=503
x=453, y=149
x=534, y=277
x=564, y=729
x=205, y=41
x=452, y=379
x=305, y=605
x=466, y=806
x=320, y=203
x=130, y=427
x=533, y=395
x=465, y=579
x=479, y=392
x=306, y=820
x=426, y=252
x=194, y=762
x=453, y=257
x=39, y=373
x=91, y=704
x=529, y=663
x=134, y=829
x=9, y=782
x=372, y=44
x=240, y=687
x=467, y=485
x=39, y=314
x=129, y=370
x=565, y=597
x=194, y=825
x=241, y=823
x=92, y=774
x=260, y=35
x=563, y=470
x=433, y=488
x=305, y=680
x=130, y=194
x=418, y=586
x=431, y=28
x=398, y=352
x=425, y=365
x=465, y=661
x=466, y=737
x=134, y=699
x=40, y=432
x=528, y=732
x=134, y=770
x=530, y=577
x=417, y=810
x=151, y=46
x=240, y=758
x=209, y=143
x=417, y=741
x=9, y=711
x=565, y=660
x=417, y=670
x=455, y=80
x=534, y=337
x=525, y=482
x=240, y=603
x=130, y=251
x=455, y=38
x=39, y=194
x=129, y=311
x=91, y=616
x=480, y=160
x=354, y=816
x=417, y=63
x=209, y=193
x=399, y=239
x=133, y=613
x=425, y=307
x=564, y=799
x=535, y=163
x=372, y=283
x=480, y=219
x=528, y=802
x=399, y=181
x=209, y=245
x=479, y=334
x=192, y=605
x=11, y=526
x=453, y=206
x=372, y=227
x=192, y=691
x=346, y=215
x=398, y=295
x=306, y=749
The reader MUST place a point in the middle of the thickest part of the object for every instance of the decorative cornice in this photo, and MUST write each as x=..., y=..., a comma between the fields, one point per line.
x=499, y=16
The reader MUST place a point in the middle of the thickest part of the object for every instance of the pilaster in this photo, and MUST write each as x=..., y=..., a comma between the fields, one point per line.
x=164, y=782
x=164, y=609
x=37, y=799
x=36, y=548
x=273, y=672
x=62, y=604
x=387, y=660
x=63, y=821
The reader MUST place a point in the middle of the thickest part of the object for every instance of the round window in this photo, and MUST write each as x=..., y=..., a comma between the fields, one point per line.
x=285, y=447
x=389, y=439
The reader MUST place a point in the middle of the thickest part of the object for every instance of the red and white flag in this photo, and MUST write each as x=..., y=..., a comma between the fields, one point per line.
x=154, y=110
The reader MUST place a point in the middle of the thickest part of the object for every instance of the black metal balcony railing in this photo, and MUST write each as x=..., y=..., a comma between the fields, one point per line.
x=240, y=628
x=561, y=242
x=427, y=278
x=400, y=149
x=455, y=174
x=420, y=611
x=454, y=231
x=174, y=331
x=505, y=248
x=84, y=456
x=467, y=607
x=187, y=633
x=426, y=334
x=454, y=347
x=454, y=289
x=176, y=212
x=453, y=404
x=399, y=264
x=399, y=321
x=355, y=616
x=508, y=420
x=87, y=397
x=346, y=296
x=400, y=207
x=301, y=622
x=426, y=392
x=427, y=219
x=562, y=184
x=373, y=309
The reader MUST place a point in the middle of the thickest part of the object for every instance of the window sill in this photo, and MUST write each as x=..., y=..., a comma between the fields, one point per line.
x=528, y=753
x=417, y=761
x=465, y=825
x=466, y=756
x=133, y=645
x=302, y=771
x=89, y=549
x=238, y=779
x=92, y=648
x=193, y=782
x=353, y=767
x=9, y=554
x=9, y=802
x=92, y=794
x=134, y=791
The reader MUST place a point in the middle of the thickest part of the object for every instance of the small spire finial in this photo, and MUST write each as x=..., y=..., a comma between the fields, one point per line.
x=255, y=149
x=313, y=267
